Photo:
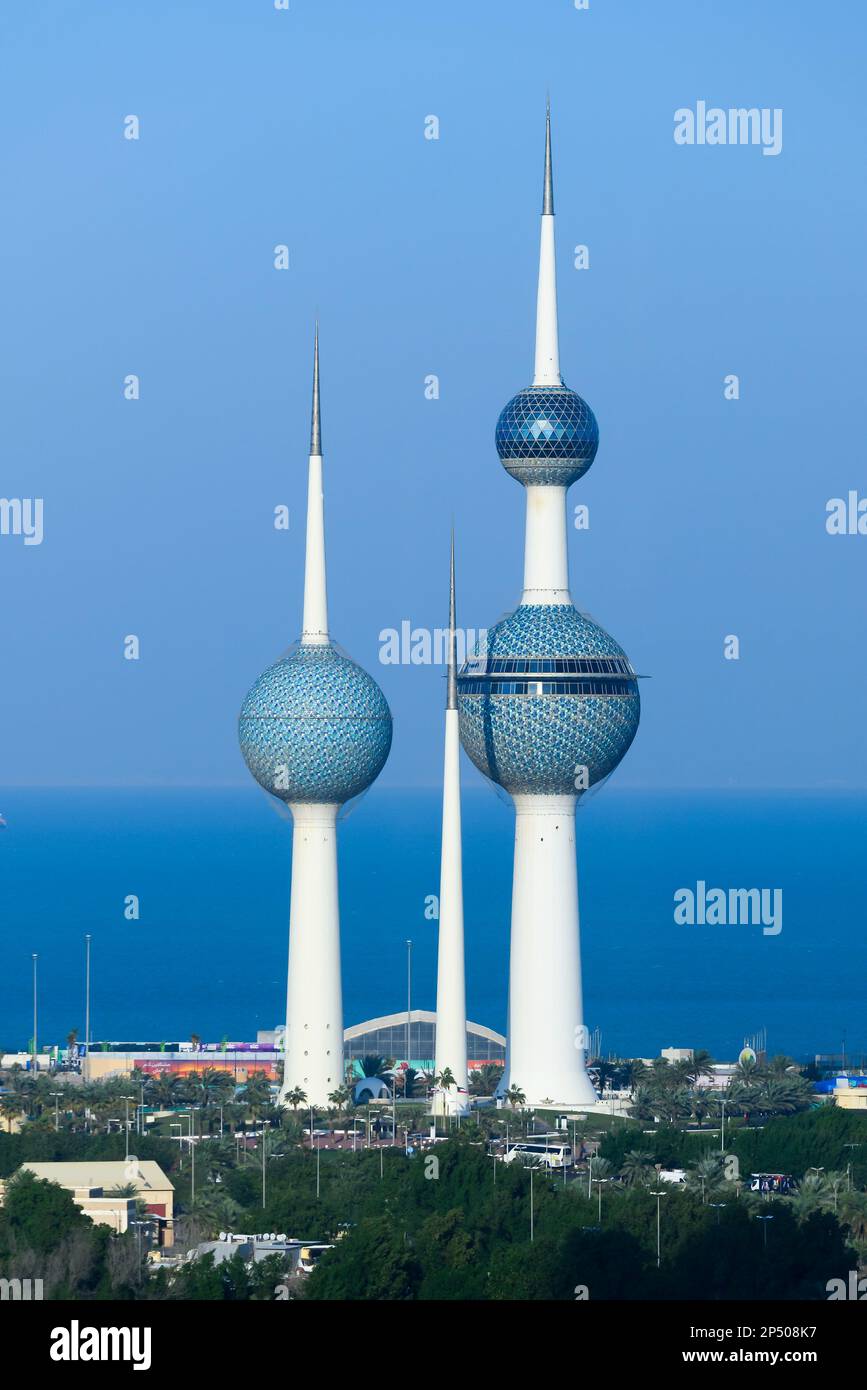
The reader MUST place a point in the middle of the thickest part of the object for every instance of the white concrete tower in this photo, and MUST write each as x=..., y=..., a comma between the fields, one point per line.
x=451, y=1025
x=547, y=711
x=315, y=730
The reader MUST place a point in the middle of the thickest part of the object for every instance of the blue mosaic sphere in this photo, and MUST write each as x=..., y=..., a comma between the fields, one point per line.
x=551, y=706
x=315, y=727
x=547, y=435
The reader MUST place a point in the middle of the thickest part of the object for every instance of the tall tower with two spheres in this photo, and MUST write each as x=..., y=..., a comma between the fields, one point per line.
x=546, y=712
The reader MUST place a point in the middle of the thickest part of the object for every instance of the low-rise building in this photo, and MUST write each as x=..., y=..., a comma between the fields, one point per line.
x=101, y=1189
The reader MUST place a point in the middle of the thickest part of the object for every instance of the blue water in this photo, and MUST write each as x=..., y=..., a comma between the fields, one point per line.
x=211, y=869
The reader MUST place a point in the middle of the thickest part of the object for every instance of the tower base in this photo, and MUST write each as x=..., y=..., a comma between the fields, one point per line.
x=547, y=1037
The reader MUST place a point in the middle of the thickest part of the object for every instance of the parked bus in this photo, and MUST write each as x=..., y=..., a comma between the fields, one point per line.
x=539, y=1153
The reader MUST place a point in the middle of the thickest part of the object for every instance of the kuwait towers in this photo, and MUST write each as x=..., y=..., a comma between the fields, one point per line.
x=451, y=1025
x=547, y=711
x=315, y=730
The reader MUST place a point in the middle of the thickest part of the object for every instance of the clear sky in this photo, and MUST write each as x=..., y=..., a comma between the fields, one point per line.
x=261, y=127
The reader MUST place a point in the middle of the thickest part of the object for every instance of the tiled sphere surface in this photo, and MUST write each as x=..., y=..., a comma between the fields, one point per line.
x=536, y=743
x=315, y=727
x=547, y=435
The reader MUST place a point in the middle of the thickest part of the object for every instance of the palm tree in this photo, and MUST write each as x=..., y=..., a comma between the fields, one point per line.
x=256, y=1094
x=340, y=1099
x=196, y=1041
x=672, y=1106
x=164, y=1090
x=636, y=1167
x=123, y=1189
x=10, y=1109
x=706, y=1176
x=643, y=1105
x=373, y=1065
x=295, y=1097
x=516, y=1097
x=485, y=1080
x=780, y=1064
x=410, y=1077
x=701, y=1064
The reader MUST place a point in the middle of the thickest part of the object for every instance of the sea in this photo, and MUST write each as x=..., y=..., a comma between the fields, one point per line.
x=185, y=893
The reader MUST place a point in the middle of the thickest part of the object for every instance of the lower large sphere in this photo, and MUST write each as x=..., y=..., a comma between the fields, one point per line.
x=315, y=727
x=552, y=705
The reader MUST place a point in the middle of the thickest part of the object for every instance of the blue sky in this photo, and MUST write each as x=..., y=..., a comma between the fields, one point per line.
x=261, y=127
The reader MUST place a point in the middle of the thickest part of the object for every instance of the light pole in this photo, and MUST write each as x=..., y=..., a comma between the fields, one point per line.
x=56, y=1095
x=87, y=941
x=35, y=1047
x=849, y=1166
x=263, y=1165
x=658, y=1194
x=722, y=1128
x=764, y=1220
x=408, y=997
x=719, y=1206
x=532, y=1234
x=126, y=1100
x=599, y=1182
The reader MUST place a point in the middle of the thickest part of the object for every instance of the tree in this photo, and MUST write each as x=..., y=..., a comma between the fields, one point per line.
x=295, y=1097
x=485, y=1080
x=11, y=1109
x=637, y=1167
x=516, y=1097
x=40, y=1214
x=444, y=1082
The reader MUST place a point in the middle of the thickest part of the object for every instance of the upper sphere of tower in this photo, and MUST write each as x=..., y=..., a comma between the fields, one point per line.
x=547, y=435
x=315, y=727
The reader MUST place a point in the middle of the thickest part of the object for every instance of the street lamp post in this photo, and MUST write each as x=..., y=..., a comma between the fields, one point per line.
x=532, y=1233
x=599, y=1182
x=408, y=997
x=87, y=941
x=658, y=1194
x=126, y=1101
x=56, y=1095
x=764, y=1220
x=35, y=1047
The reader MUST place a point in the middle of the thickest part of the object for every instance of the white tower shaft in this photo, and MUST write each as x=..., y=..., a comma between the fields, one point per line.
x=313, y=1042
x=546, y=566
x=547, y=1040
x=546, y=556
x=315, y=625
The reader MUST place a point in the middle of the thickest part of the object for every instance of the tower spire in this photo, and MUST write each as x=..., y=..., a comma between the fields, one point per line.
x=451, y=1025
x=452, y=683
x=548, y=188
x=315, y=423
x=315, y=626
x=547, y=367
